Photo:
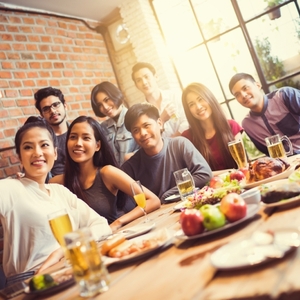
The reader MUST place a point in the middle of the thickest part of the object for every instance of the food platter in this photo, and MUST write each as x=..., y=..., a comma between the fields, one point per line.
x=283, y=202
x=137, y=230
x=252, y=209
x=282, y=175
x=181, y=205
x=163, y=237
x=246, y=252
x=65, y=279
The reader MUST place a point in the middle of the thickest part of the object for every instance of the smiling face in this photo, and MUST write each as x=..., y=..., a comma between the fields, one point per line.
x=147, y=134
x=248, y=94
x=198, y=107
x=57, y=113
x=106, y=106
x=82, y=144
x=37, y=153
x=146, y=81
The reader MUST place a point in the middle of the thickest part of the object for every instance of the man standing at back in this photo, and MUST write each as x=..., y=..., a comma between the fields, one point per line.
x=275, y=113
x=167, y=102
x=154, y=163
x=51, y=104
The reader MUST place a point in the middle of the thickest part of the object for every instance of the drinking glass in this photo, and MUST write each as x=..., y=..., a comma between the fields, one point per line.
x=139, y=196
x=185, y=182
x=238, y=153
x=60, y=224
x=275, y=146
x=89, y=270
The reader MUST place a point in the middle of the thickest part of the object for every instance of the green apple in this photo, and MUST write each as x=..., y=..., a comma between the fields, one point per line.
x=213, y=217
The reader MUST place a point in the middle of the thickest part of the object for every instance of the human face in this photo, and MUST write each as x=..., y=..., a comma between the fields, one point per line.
x=37, y=153
x=106, y=106
x=248, y=94
x=145, y=81
x=82, y=144
x=56, y=115
x=147, y=135
x=199, y=108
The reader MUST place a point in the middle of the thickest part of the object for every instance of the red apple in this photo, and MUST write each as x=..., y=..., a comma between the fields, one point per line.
x=216, y=182
x=233, y=206
x=191, y=222
x=245, y=171
x=237, y=174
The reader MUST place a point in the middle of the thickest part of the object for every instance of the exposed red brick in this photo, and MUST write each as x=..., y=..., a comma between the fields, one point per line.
x=35, y=65
x=23, y=102
x=2, y=55
x=22, y=65
x=13, y=113
x=19, y=74
x=54, y=82
x=34, y=38
x=13, y=55
x=20, y=38
x=3, y=113
x=26, y=29
x=4, y=84
x=31, y=47
x=52, y=56
x=5, y=74
x=15, y=84
x=6, y=37
x=46, y=39
x=42, y=83
x=4, y=163
x=44, y=74
x=18, y=47
x=40, y=56
x=10, y=94
x=4, y=46
x=56, y=73
x=13, y=19
x=12, y=170
x=25, y=92
x=32, y=75
x=10, y=28
x=28, y=21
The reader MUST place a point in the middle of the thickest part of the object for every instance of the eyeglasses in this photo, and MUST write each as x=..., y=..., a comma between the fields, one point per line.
x=47, y=109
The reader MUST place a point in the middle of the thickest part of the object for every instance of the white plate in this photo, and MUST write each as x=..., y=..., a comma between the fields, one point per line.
x=281, y=202
x=163, y=237
x=173, y=198
x=282, y=175
x=137, y=230
x=181, y=205
x=246, y=253
x=252, y=209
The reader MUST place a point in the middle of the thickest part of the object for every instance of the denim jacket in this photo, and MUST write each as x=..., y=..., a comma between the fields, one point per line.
x=119, y=138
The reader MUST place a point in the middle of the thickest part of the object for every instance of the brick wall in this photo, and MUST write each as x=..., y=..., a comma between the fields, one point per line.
x=38, y=51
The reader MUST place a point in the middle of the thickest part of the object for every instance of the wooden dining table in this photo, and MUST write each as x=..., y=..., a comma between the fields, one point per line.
x=183, y=269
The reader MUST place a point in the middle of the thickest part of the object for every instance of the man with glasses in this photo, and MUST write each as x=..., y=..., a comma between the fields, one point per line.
x=51, y=104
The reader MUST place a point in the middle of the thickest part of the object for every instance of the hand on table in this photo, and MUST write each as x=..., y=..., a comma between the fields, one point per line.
x=52, y=259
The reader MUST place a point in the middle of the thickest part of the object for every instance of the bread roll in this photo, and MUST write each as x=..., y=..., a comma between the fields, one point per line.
x=111, y=243
x=122, y=249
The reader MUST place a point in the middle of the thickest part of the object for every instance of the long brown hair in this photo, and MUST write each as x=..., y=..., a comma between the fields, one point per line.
x=223, y=129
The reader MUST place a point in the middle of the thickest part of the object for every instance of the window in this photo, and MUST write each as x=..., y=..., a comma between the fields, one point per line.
x=211, y=40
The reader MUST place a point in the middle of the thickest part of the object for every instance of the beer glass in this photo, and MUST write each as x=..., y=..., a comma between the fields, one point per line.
x=275, y=146
x=238, y=153
x=89, y=270
x=185, y=182
x=60, y=224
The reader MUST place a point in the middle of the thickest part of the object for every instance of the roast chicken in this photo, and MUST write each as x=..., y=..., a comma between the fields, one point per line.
x=265, y=167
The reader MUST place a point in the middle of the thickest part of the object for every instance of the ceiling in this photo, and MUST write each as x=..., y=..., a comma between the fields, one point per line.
x=99, y=10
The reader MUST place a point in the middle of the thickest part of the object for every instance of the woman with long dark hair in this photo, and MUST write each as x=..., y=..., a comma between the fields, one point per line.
x=108, y=101
x=91, y=173
x=209, y=131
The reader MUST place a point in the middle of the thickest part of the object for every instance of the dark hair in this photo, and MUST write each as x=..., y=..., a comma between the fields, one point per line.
x=46, y=92
x=237, y=77
x=142, y=65
x=101, y=158
x=223, y=129
x=32, y=122
x=137, y=110
x=111, y=91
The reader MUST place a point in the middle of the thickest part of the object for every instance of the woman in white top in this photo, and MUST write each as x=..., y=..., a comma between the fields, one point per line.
x=25, y=203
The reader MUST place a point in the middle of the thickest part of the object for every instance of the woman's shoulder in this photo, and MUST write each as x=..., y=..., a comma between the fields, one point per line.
x=57, y=179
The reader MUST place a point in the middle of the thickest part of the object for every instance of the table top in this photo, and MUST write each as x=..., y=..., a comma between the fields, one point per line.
x=184, y=271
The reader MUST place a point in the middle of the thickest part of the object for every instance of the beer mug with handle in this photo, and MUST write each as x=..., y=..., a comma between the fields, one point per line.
x=276, y=148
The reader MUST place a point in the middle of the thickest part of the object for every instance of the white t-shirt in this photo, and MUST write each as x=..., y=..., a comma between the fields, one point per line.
x=28, y=239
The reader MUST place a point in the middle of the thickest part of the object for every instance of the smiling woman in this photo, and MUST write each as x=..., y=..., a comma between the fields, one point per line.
x=28, y=200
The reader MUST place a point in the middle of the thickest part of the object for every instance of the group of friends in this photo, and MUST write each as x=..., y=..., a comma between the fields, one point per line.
x=87, y=167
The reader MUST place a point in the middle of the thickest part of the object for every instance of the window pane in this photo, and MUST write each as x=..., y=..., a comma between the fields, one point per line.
x=231, y=55
x=195, y=66
x=214, y=16
x=178, y=24
x=277, y=42
x=239, y=111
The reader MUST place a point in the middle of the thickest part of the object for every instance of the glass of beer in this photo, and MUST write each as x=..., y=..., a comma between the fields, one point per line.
x=185, y=182
x=60, y=224
x=276, y=148
x=139, y=196
x=238, y=153
x=89, y=270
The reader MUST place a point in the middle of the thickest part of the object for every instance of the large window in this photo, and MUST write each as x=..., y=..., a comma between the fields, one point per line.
x=211, y=40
